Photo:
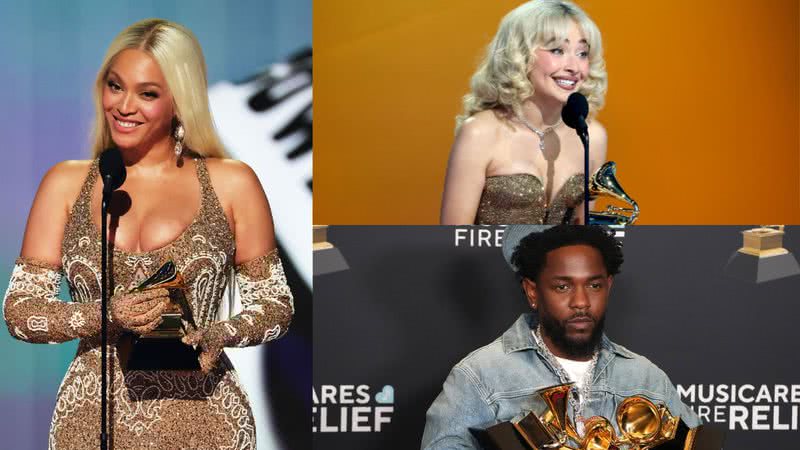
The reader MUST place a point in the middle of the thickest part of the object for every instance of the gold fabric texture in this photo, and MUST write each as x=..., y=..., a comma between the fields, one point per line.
x=138, y=312
x=267, y=304
x=148, y=409
x=34, y=313
x=268, y=309
x=520, y=199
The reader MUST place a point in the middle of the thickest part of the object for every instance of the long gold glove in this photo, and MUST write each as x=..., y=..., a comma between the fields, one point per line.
x=267, y=313
x=34, y=313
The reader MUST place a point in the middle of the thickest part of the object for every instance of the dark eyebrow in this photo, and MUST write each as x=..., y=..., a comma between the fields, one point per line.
x=567, y=278
x=147, y=83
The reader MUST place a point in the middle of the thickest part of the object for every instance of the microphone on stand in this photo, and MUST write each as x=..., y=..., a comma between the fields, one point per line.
x=112, y=172
x=574, y=115
x=575, y=111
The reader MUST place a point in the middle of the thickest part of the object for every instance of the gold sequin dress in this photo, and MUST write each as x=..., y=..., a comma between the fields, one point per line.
x=520, y=199
x=150, y=409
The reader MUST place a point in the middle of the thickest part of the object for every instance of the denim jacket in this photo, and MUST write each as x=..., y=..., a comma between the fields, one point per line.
x=499, y=381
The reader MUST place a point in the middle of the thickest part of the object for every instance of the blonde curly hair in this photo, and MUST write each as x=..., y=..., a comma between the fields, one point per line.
x=501, y=81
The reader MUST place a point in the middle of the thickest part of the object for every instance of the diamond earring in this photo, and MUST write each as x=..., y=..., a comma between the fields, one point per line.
x=178, y=134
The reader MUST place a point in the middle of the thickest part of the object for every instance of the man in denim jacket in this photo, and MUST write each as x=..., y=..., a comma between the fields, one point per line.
x=566, y=272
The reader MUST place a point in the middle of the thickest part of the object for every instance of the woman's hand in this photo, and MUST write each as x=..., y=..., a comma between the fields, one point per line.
x=139, y=312
x=210, y=347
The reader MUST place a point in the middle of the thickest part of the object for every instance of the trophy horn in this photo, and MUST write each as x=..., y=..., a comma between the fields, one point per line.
x=604, y=183
x=640, y=425
x=556, y=398
x=555, y=416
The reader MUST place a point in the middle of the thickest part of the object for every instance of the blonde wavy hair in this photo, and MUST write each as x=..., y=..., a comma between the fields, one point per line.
x=501, y=81
x=178, y=54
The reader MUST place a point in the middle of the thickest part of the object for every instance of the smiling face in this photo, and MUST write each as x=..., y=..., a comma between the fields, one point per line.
x=571, y=295
x=137, y=103
x=560, y=67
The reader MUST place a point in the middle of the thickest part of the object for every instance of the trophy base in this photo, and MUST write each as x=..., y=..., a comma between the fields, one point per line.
x=598, y=218
x=171, y=327
x=704, y=437
x=757, y=269
x=763, y=253
x=329, y=260
x=159, y=354
x=502, y=436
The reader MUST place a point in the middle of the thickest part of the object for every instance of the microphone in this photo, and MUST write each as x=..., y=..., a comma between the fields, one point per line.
x=112, y=170
x=113, y=173
x=574, y=115
x=575, y=111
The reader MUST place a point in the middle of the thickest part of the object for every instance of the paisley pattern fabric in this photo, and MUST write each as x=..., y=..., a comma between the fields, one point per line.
x=149, y=409
x=267, y=302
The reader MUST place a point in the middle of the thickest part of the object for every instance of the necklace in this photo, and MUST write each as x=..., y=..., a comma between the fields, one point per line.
x=583, y=392
x=539, y=132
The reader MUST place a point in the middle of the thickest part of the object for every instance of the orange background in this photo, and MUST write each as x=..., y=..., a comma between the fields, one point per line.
x=702, y=108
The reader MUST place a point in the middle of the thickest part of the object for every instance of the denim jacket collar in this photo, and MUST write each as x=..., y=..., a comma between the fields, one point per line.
x=519, y=337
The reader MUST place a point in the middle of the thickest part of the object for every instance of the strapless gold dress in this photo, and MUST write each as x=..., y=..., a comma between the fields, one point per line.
x=520, y=199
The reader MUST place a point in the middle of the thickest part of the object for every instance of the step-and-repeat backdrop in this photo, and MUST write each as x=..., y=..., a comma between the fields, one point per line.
x=258, y=54
x=405, y=304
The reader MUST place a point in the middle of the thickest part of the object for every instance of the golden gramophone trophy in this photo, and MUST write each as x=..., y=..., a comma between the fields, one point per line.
x=642, y=425
x=762, y=257
x=764, y=241
x=178, y=310
x=162, y=349
x=603, y=183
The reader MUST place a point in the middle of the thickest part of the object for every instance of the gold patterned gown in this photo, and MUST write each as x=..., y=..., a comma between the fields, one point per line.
x=520, y=199
x=150, y=409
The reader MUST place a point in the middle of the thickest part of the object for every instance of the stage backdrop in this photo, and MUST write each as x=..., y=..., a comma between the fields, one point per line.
x=258, y=55
x=416, y=300
x=702, y=110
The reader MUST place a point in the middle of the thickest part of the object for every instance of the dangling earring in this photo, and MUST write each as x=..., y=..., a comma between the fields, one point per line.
x=178, y=134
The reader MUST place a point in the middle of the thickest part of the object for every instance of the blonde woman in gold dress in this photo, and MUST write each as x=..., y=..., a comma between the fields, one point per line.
x=181, y=201
x=513, y=160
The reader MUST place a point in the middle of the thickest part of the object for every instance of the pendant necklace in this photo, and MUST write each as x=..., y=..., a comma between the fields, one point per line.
x=539, y=132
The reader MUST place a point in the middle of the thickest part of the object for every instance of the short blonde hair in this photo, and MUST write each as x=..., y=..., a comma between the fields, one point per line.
x=177, y=52
x=501, y=80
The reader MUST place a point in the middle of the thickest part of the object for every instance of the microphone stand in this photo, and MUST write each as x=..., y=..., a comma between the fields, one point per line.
x=583, y=133
x=104, y=315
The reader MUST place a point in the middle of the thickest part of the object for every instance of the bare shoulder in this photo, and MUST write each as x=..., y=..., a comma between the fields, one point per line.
x=50, y=211
x=233, y=180
x=478, y=136
x=597, y=130
x=230, y=170
x=68, y=170
x=598, y=143
x=483, y=125
x=242, y=196
x=64, y=180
